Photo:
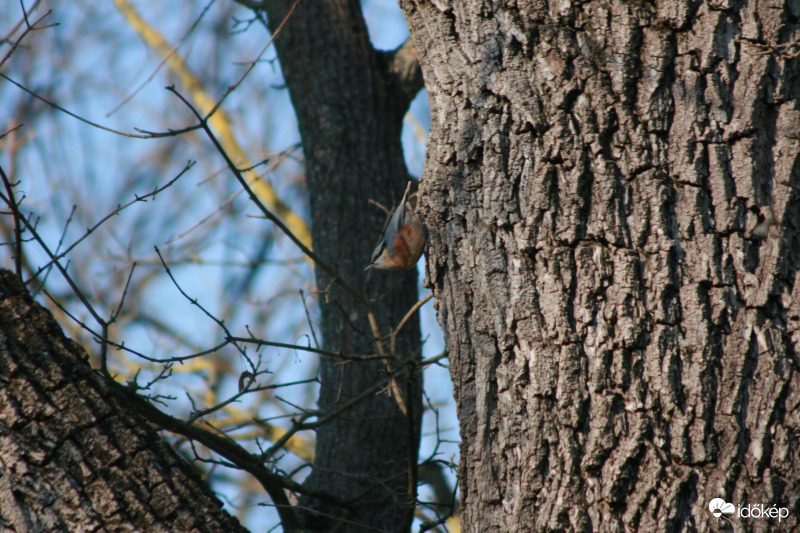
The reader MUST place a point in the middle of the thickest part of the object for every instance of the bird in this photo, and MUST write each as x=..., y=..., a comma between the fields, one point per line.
x=403, y=241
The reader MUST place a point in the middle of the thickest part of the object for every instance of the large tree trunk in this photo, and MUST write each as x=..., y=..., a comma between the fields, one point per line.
x=613, y=252
x=74, y=454
x=350, y=101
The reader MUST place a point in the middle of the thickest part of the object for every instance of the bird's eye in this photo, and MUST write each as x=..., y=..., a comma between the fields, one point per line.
x=378, y=251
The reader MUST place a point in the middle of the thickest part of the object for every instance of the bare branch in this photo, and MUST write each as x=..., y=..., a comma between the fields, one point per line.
x=170, y=133
x=28, y=28
x=113, y=213
x=17, y=217
x=404, y=70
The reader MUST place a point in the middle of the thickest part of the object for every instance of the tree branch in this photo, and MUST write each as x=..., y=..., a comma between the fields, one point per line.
x=404, y=71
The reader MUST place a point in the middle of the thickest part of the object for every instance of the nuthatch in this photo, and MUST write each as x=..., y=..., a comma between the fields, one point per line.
x=403, y=241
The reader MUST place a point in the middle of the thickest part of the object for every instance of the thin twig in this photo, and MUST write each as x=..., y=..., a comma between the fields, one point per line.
x=10, y=130
x=308, y=319
x=164, y=60
x=28, y=28
x=151, y=135
x=118, y=310
x=16, y=216
x=197, y=304
x=113, y=213
x=267, y=213
x=256, y=60
x=328, y=353
x=405, y=319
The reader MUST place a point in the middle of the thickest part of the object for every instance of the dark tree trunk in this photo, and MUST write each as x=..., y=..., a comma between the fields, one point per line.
x=350, y=100
x=74, y=456
x=611, y=190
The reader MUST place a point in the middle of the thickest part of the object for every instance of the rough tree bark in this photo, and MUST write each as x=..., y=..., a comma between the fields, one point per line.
x=74, y=456
x=611, y=192
x=350, y=100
